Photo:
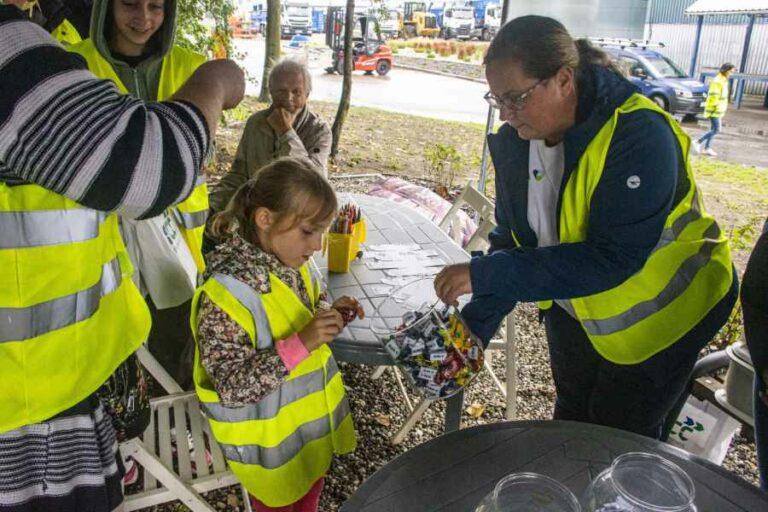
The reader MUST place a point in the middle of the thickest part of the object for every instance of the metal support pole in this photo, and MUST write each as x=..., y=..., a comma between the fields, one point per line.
x=647, y=30
x=696, y=45
x=744, y=56
x=484, y=158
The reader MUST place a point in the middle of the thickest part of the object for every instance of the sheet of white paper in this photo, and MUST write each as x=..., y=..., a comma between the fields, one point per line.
x=411, y=271
x=381, y=290
x=396, y=281
x=392, y=247
x=381, y=265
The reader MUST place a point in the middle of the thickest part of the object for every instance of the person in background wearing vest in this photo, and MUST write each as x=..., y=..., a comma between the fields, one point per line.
x=714, y=108
x=74, y=154
x=131, y=44
x=263, y=370
x=600, y=221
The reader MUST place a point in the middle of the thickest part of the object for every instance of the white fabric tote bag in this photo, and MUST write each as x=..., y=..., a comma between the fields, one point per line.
x=162, y=258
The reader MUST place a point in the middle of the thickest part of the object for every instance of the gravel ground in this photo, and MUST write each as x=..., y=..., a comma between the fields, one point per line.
x=379, y=410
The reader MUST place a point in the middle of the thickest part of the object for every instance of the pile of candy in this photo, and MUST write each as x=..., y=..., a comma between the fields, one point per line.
x=436, y=351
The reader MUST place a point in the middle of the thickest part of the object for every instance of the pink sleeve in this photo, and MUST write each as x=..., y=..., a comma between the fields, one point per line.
x=292, y=351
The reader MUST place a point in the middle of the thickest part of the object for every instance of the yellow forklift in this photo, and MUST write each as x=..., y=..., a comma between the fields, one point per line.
x=417, y=21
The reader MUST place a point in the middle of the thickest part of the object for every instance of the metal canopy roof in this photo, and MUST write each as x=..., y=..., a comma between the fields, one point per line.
x=704, y=7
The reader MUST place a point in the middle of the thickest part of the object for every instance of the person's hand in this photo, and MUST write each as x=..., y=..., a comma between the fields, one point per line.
x=323, y=328
x=215, y=86
x=281, y=120
x=452, y=282
x=349, y=308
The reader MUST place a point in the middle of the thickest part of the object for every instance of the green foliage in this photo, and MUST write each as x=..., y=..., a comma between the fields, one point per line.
x=742, y=238
x=198, y=23
x=430, y=55
x=442, y=162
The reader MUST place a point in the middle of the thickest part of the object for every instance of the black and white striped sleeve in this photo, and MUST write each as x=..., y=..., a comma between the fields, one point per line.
x=75, y=135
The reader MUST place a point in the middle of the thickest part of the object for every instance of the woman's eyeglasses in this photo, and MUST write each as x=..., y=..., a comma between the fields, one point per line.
x=512, y=102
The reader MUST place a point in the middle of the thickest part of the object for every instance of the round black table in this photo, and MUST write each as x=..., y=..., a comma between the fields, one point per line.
x=455, y=471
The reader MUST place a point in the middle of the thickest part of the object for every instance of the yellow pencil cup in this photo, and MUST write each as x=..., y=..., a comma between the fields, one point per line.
x=340, y=253
x=358, y=236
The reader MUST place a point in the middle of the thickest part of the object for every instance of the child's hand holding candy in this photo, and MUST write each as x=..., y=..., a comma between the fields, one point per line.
x=349, y=308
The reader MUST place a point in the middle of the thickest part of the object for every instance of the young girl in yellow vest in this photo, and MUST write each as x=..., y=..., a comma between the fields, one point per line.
x=131, y=44
x=263, y=371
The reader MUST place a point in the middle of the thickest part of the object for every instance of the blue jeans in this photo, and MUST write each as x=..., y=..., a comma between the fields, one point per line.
x=706, y=139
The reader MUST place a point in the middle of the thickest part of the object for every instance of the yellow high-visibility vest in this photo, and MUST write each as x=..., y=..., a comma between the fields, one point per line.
x=717, y=97
x=178, y=66
x=281, y=445
x=686, y=275
x=66, y=33
x=69, y=311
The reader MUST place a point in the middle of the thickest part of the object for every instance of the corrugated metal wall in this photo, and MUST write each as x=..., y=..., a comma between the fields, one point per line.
x=582, y=18
x=722, y=39
x=673, y=12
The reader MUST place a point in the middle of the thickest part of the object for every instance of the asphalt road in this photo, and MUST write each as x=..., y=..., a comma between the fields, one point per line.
x=401, y=90
x=444, y=97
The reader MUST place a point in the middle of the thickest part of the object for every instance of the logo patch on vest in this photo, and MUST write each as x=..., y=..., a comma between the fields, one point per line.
x=633, y=182
x=538, y=174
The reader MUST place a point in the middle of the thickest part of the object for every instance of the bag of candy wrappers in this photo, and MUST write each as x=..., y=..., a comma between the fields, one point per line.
x=428, y=341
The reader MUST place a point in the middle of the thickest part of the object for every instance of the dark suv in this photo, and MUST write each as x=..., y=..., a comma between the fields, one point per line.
x=658, y=77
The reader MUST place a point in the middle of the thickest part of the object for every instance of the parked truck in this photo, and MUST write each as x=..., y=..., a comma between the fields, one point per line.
x=295, y=18
x=487, y=18
x=458, y=22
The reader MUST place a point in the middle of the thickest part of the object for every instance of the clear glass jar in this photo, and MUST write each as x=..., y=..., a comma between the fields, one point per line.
x=640, y=482
x=529, y=492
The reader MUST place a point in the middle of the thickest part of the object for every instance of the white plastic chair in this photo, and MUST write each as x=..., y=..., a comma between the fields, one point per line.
x=484, y=209
x=173, y=459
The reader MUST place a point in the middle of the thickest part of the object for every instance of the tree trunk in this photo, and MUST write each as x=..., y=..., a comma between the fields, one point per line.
x=346, y=89
x=271, y=47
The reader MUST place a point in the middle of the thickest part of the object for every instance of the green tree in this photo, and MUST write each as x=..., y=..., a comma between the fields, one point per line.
x=272, y=47
x=203, y=25
x=346, y=88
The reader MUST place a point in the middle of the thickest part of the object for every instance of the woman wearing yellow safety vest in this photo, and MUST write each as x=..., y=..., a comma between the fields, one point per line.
x=131, y=44
x=600, y=220
x=263, y=370
x=715, y=107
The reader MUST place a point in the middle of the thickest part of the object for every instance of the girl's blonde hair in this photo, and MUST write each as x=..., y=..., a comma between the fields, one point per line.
x=291, y=188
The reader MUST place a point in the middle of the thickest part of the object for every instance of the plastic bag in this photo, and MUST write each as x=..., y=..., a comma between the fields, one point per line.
x=166, y=265
x=704, y=430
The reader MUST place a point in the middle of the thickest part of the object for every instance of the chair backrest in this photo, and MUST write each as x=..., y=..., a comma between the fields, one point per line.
x=485, y=209
x=178, y=454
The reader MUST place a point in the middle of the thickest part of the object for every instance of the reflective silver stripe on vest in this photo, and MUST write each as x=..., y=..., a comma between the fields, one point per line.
x=668, y=236
x=18, y=324
x=252, y=302
x=199, y=180
x=267, y=408
x=674, y=288
x=274, y=457
x=192, y=220
x=20, y=230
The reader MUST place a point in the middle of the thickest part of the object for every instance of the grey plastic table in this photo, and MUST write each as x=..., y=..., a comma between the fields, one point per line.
x=455, y=471
x=387, y=222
